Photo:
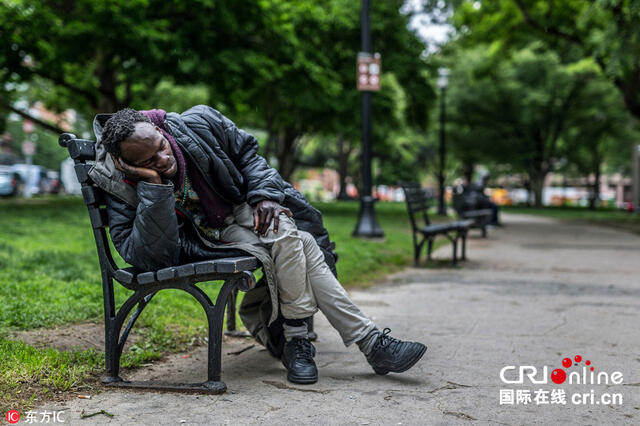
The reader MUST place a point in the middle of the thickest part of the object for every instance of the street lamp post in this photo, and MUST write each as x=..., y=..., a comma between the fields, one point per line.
x=443, y=81
x=367, y=222
x=635, y=184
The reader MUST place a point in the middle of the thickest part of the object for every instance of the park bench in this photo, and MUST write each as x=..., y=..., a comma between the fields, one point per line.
x=418, y=204
x=467, y=204
x=236, y=272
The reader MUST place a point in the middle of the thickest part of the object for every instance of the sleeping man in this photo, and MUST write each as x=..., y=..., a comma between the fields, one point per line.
x=190, y=187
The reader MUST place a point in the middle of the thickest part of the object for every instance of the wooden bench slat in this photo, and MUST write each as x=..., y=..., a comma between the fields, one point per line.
x=236, y=264
x=124, y=275
x=166, y=274
x=186, y=270
x=439, y=228
x=205, y=267
x=146, y=277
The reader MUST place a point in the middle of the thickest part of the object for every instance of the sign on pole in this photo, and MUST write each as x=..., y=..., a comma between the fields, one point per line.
x=28, y=148
x=28, y=126
x=368, y=72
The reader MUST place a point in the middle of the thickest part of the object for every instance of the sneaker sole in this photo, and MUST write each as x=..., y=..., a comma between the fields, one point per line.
x=405, y=367
x=302, y=380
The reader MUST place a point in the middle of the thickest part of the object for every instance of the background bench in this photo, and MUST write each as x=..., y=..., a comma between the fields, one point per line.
x=236, y=273
x=467, y=204
x=417, y=205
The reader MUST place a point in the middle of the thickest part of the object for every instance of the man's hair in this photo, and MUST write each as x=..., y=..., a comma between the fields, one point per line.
x=119, y=127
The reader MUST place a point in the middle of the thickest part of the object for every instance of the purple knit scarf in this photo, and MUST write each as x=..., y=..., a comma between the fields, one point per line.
x=157, y=117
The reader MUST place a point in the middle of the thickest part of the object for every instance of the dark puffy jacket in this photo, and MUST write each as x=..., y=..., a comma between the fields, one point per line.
x=150, y=236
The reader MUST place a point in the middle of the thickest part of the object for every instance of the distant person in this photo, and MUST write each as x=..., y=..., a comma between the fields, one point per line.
x=185, y=187
x=485, y=201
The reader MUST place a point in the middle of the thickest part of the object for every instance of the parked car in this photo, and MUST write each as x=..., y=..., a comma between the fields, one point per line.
x=34, y=177
x=11, y=184
x=54, y=183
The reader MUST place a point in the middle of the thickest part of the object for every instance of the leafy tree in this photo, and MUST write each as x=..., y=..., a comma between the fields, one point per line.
x=599, y=130
x=287, y=67
x=97, y=55
x=605, y=31
x=306, y=66
x=527, y=110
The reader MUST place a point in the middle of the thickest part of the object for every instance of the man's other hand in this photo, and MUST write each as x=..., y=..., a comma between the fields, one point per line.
x=266, y=211
x=136, y=173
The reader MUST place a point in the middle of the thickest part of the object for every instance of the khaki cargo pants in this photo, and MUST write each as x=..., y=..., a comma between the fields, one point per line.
x=305, y=282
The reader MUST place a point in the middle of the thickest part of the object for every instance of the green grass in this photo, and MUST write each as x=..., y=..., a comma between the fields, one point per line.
x=28, y=373
x=363, y=262
x=49, y=276
x=601, y=216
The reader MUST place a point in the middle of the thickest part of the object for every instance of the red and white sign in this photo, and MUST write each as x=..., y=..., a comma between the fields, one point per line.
x=368, y=72
x=28, y=126
x=28, y=148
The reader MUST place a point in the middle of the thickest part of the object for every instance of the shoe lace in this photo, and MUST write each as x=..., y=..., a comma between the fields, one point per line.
x=304, y=349
x=386, y=342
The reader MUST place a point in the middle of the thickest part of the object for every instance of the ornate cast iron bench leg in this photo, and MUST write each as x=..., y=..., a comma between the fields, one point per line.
x=215, y=316
x=464, y=244
x=231, y=316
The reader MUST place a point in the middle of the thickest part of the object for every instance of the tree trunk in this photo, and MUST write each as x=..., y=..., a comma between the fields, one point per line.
x=287, y=153
x=270, y=147
x=527, y=186
x=564, y=189
x=595, y=190
x=107, y=98
x=537, y=184
x=344, y=152
x=467, y=172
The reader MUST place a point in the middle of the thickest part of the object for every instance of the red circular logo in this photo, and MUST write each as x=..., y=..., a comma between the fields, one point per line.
x=558, y=376
x=13, y=416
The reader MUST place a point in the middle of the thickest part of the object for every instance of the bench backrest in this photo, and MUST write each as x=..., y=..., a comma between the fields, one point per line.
x=82, y=151
x=417, y=203
x=466, y=198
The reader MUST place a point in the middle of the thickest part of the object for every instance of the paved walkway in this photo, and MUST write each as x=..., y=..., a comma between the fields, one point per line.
x=531, y=294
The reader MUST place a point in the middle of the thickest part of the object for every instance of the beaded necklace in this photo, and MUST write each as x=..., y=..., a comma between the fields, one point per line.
x=184, y=194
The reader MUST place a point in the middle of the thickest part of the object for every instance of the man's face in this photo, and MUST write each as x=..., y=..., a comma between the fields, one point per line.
x=149, y=149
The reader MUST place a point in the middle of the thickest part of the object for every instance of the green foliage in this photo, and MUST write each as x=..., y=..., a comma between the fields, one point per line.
x=172, y=97
x=528, y=109
x=285, y=67
x=604, y=31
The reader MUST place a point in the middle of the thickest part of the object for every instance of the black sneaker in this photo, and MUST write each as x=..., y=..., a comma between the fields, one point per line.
x=393, y=355
x=298, y=359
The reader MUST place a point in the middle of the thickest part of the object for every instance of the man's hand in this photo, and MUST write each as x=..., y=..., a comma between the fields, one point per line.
x=264, y=212
x=136, y=173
